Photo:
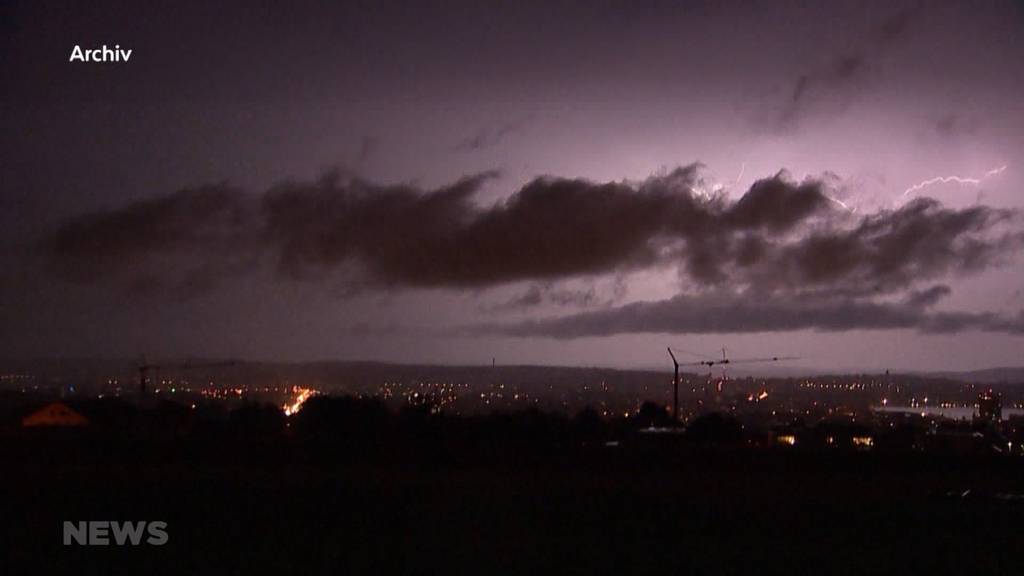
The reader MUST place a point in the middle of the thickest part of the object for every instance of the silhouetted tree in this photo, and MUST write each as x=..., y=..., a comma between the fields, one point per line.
x=108, y=413
x=343, y=419
x=652, y=414
x=715, y=428
x=589, y=424
x=253, y=418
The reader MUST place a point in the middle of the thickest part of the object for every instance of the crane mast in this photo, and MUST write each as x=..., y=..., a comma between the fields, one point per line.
x=711, y=362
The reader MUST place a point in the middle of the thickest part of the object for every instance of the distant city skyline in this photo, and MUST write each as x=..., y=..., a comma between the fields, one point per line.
x=577, y=184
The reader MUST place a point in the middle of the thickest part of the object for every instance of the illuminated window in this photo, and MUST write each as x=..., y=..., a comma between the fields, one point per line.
x=863, y=441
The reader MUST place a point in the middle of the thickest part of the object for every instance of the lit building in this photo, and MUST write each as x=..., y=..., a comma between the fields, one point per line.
x=862, y=442
x=990, y=407
x=786, y=439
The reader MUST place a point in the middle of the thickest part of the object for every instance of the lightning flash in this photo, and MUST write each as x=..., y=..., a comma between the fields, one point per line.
x=953, y=180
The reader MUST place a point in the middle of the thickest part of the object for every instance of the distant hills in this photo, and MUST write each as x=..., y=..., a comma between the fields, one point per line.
x=1000, y=375
x=355, y=372
x=1004, y=375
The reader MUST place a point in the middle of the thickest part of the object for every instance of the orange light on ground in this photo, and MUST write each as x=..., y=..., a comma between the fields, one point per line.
x=301, y=395
x=863, y=441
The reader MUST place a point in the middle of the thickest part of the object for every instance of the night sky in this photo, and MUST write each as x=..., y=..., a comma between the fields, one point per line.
x=578, y=183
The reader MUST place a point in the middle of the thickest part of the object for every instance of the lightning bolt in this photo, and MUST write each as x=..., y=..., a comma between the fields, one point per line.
x=717, y=187
x=841, y=203
x=953, y=179
x=995, y=172
x=743, y=168
x=834, y=200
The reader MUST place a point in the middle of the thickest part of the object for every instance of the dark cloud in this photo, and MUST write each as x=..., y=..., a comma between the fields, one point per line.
x=183, y=243
x=776, y=204
x=929, y=296
x=780, y=237
x=535, y=296
x=732, y=313
x=488, y=137
x=538, y=295
x=550, y=229
x=955, y=125
x=830, y=88
x=883, y=252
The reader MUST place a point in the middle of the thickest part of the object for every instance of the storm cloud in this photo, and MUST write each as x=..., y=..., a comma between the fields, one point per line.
x=830, y=87
x=780, y=237
x=183, y=243
x=488, y=137
x=737, y=313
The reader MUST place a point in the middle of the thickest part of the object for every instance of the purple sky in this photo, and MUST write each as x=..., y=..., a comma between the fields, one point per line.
x=555, y=182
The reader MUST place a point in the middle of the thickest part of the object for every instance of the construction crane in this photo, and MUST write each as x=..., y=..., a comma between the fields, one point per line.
x=711, y=362
x=145, y=368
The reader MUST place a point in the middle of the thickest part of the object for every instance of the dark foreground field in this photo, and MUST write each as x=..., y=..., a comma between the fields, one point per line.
x=243, y=507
